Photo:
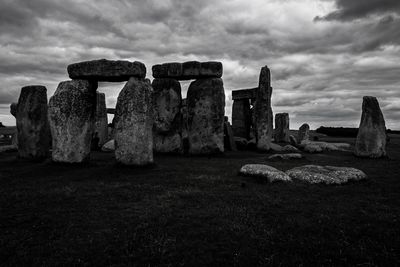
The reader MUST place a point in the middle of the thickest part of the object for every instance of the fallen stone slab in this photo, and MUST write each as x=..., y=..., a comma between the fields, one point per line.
x=189, y=70
x=319, y=146
x=287, y=156
x=315, y=174
x=290, y=148
x=109, y=146
x=104, y=70
x=275, y=147
x=8, y=148
x=266, y=172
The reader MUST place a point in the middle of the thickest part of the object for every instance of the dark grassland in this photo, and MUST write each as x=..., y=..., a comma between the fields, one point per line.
x=197, y=212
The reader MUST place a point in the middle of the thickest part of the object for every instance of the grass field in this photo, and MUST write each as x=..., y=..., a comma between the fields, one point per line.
x=197, y=212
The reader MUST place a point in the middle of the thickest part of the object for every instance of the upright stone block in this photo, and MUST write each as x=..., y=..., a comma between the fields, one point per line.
x=263, y=112
x=229, y=138
x=371, y=138
x=133, y=124
x=304, y=133
x=101, y=120
x=241, y=118
x=32, y=123
x=72, y=117
x=167, y=129
x=282, y=127
x=205, y=104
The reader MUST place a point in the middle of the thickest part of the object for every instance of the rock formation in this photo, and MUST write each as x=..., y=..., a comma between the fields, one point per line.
x=241, y=118
x=167, y=129
x=134, y=124
x=270, y=174
x=371, y=138
x=71, y=116
x=188, y=70
x=205, y=104
x=282, y=127
x=304, y=133
x=263, y=112
x=229, y=139
x=101, y=120
x=32, y=123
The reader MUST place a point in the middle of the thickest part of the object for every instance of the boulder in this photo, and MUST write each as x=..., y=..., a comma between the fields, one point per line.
x=241, y=118
x=109, y=146
x=101, y=119
x=266, y=172
x=263, y=112
x=304, y=133
x=206, y=107
x=275, y=147
x=104, y=70
x=167, y=128
x=13, y=109
x=188, y=70
x=312, y=148
x=371, y=137
x=133, y=124
x=319, y=146
x=72, y=117
x=285, y=156
x=290, y=148
x=293, y=140
x=326, y=174
x=282, y=127
x=32, y=123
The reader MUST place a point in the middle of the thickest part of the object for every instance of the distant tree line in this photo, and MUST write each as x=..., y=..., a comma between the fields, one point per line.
x=344, y=132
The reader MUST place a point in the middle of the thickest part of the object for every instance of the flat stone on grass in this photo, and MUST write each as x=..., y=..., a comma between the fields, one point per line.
x=270, y=174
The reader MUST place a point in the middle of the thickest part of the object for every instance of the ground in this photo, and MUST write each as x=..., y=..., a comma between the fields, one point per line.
x=198, y=212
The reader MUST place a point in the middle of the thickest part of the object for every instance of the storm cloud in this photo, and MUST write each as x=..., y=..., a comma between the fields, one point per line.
x=324, y=55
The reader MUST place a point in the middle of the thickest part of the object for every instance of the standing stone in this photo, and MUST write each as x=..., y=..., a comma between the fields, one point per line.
x=32, y=123
x=185, y=126
x=72, y=116
x=133, y=124
x=229, y=139
x=14, y=137
x=13, y=109
x=205, y=104
x=167, y=129
x=371, y=138
x=241, y=118
x=282, y=127
x=263, y=112
x=101, y=120
x=304, y=133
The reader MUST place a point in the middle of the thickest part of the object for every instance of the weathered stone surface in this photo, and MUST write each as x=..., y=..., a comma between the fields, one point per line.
x=13, y=109
x=71, y=116
x=241, y=118
x=303, y=133
x=371, y=138
x=326, y=174
x=319, y=146
x=109, y=146
x=276, y=147
x=101, y=120
x=241, y=143
x=290, y=148
x=282, y=127
x=285, y=156
x=188, y=70
x=263, y=112
x=293, y=140
x=270, y=174
x=104, y=70
x=134, y=124
x=167, y=129
x=229, y=140
x=32, y=124
x=205, y=104
x=8, y=148
x=244, y=94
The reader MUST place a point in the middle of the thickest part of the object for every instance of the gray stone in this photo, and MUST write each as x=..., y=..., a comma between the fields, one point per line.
x=241, y=143
x=242, y=94
x=290, y=148
x=287, y=156
x=13, y=109
x=270, y=174
x=134, y=124
x=241, y=118
x=304, y=133
x=107, y=70
x=326, y=174
x=32, y=124
x=109, y=146
x=167, y=129
x=263, y=112
x=275, y=147
x=8, y=148
x=101, y=120
x=371, y=138
x=229, y=139
x=319, y=146
x=71, y=116
x=293, y=140
x=206, y=108
x=188, y=70
x=282, y=127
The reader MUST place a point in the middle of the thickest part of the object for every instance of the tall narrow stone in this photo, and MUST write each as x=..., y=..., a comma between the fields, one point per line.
x=282, y=127
x=371, y=138
x=241, y=118
x=167, y=129
x=32, y=123
x=101, y=120
x=133, y=124
x=205, y=104
x=263, y=112
x=72, y=116
x=304, y=133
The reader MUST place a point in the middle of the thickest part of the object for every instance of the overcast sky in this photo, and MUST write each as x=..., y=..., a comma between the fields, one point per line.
x=324, y=55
